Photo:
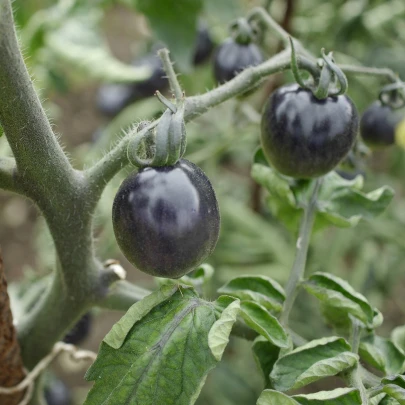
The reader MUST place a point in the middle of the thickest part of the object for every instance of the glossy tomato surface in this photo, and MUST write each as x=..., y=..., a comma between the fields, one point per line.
x=166, y=219
x=304, y=137
x=80, y=331
x=57, y=393
x=231, y=58
x=377, y=126
x=203, y=45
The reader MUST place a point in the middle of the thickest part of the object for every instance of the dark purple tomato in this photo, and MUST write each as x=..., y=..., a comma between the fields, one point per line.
x=203, y=46
x=377, y=126
x=113, y=98
x=166, y=219
x=304, y=137
x=231, y=58
x=57, y=393
x=80, y=331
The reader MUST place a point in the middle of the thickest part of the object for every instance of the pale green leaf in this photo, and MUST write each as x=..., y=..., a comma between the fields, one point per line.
x=335, y=292
x=311, y=362
x=395, y=388
x=218, y=337
x=77, y=44
x=382, y=354
x=270, y=397
x=260, y=289
x=338, y=396
x=260, y=320
x=398, y=337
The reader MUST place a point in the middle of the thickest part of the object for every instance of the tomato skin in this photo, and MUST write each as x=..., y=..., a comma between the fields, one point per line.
x=377, y=126
x=203, y=46
x=57, y=393
x=304, y=137
x=231, y=58
x=114, y=97
x=80, y=330
x=166, y=219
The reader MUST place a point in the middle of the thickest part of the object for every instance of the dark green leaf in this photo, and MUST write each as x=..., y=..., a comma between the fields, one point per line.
x=265, y=354
x=164, y=358
x=311, y=362
x=337, y=293
x=174, y=22
x=339, y=396
x=260, y=289
x=382, y=354
x=260, y=320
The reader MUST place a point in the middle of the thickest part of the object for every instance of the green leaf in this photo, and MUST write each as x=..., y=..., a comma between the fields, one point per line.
x=218, y=337
x=270, y=397
x=311, y=362
x=340, y=202
x=265, y=355
x=116, y=336
x=199, y=276
x=395, y=388
x=260, y=289
x=338, y=396
x=174, y=22
x=337, y=293
x=78, y=44
x=377, y=400
x=398, y=337
x=382, y=354
x=164, y=358
x=260, y=320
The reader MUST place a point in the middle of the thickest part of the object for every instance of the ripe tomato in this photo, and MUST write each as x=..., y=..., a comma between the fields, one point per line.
x=377, y=126
x=231, y=58
x=304, y=137
x=166, y=219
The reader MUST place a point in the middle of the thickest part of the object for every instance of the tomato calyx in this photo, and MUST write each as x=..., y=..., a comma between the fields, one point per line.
x=392, y=95
x=163, y=142
x=242, y=32
x=330, y=82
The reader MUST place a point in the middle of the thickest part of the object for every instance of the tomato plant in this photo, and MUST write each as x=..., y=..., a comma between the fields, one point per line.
x=206, y=318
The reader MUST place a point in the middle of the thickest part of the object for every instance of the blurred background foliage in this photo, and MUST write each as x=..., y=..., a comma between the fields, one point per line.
x=73, y=47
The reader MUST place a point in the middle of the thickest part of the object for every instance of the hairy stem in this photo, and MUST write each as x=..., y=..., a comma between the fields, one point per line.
x=353, y=379
x=298, y=269
x=370, y=71
x=8, y=175
x=45, y=170
x=171, y=74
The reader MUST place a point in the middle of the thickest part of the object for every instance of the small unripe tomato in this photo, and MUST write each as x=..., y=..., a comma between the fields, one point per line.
x=304, y=137
x=166, y=219
x=203, y=46
x=377, y=126
x=232, y=57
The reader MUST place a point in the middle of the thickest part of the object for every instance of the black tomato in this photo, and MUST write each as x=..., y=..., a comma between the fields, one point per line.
x=203, y=46
x=304, y=137
x=231, y=58
x=57, y=393
x=80, y=331
x=166, y=219
x=112, y=98
x=377, y=126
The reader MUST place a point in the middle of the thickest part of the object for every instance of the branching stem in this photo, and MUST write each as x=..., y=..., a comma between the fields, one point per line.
x=304, y=237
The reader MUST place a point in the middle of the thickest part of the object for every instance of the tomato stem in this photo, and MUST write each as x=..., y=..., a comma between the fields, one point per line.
x=171, y=74
x=298, y=269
